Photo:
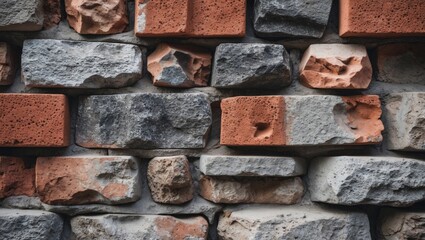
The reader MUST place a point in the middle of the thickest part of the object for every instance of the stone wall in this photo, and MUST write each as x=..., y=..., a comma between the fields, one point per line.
x=225, y=119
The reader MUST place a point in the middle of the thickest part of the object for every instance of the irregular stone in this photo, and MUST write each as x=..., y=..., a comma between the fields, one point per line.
x=52, y=13
x=72, y=64
x=381, y=18
x=398, y=224
x=80, y=180
x=170, y=180
x=401, y=63
x=97, y=16
x=251, y=190
x=145, y=120
x=292, y=222
x=34, y=120
x=19, y=15
x=16, y=178
x=29, y=224
x=215, y=165
x=367, y=180
x=405, y=121
x=179, y=66
x=294, y=18
x=132, y=227
x=251, y=65
x=300, y=120
x=21, y=202
x=7, y=64
x=340, y=66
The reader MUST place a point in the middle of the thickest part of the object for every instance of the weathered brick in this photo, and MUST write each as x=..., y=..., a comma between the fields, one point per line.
x=81, y=180
x=401, y=224
x=381, y=18
x=7, y=64
x=34, y=120
x=21, y=15
x=17, y=177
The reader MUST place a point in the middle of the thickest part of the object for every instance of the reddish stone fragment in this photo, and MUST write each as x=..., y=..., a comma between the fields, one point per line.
x=16, y=178
x=7, y=64
x=52, y=13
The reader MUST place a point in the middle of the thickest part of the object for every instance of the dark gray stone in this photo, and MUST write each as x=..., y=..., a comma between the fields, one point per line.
x=251, y=65
x=21, y=15
x=146, y=120
x=291, y=18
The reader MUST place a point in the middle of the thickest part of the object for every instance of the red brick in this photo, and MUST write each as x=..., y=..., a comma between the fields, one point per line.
x=16, y=178
x=34, y=120
x=52, y=13
x=7, y=64
x=381, y=18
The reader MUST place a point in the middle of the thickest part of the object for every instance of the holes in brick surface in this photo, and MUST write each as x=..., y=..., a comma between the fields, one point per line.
x=263, y=130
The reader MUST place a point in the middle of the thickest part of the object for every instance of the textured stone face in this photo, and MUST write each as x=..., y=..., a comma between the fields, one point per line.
x=21, y=15
x=34, y=120
x=178, y=66
x=215, y=165
x=367, y=180
x=97, y=16
x=52, y=13
x=29, y=224
x=251, y=65
x=292, y=222
x=72, y=64
x=401, y=63
x=300, y=120
x=170, y=180
x=16, y=178
x=399, y=224
x=81, y=180
x=146, y=120
x=381, y=18
x=406, y=121
x=291, y=18
x=251, y=190
x=340, y=66
x=133, y=227
x=7, y=64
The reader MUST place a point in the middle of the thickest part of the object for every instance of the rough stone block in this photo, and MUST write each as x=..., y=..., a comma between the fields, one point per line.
x=405, y=121
x=21, y=15
x=170, y=180
x=97, y=16
x=132, y=227
x=340, y=66
x=72, y=64
x=300, y=120
x=30, y=224
x=293, y=18
x=398, y=224
x=16, y=177
x=251, y=190
x=179, y=66
x=34, y=120
x=401, y=63
x=80, y=180
x=145, y=120
x=367, y=180
x=251, y=65
x=292, y=222
x=7, y=64
x=215, y=165
x=381, y=18
x=52, y=13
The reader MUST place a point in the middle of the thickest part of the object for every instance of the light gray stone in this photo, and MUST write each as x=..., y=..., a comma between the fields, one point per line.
x=401, y=225
x=291, y=18
x=72, y=64
x=251, y=65
x=215, y=165
x=292, y=222
x=21, y=15
x=29, y=225
x=405, y=121
x=352, y=180
x=146, y=120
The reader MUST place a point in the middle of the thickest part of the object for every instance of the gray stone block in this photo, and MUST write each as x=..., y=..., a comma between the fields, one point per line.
x=21, y=15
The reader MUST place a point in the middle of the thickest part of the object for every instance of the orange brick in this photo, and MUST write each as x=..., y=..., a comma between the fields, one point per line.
x=16, y=178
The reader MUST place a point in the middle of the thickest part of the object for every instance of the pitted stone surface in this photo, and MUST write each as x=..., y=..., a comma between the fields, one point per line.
x=21, y=15
x=293, y=18
x=216, y=165
x=179, y=66
x=7, y=64
x=251, y=65
x=340, y=66
x=134, y=227
x=145, y=120
x=80, y=180
x=353, y=180
x=52, y=13
x=30, y=224
x=73, y=64
x=402, y=224
x=16, y=178
x=406, y=121
x=292, y=222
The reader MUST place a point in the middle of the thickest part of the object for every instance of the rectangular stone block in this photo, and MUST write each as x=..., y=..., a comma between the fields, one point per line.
x=34, y=120
x=381, y=18
x=16, y=178
x=301, y=120
x=144, y=120
x=21, y=15
x=7, y=64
